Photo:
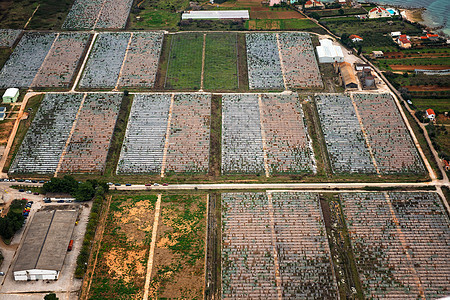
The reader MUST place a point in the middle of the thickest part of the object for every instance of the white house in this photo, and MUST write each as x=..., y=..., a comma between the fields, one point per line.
x=378, y=12
x=395, y=34
x=314, y=4
x=10, y=95
x=329, y=53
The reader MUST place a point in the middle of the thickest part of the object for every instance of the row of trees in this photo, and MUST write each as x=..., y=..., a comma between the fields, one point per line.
x=13, y=221
x=81, y=191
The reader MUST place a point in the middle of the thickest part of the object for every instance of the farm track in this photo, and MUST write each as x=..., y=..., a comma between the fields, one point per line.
x=96, y=245
x=212, y=275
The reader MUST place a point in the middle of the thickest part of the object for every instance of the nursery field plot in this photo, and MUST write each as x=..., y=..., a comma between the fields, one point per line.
x=92, y=14
x=89, y=143
x=179, y=260
x=242, y=148
x=185, y=62
x=221, y=69
x=141, y=64
x=105, y=61
x=401, y=243
x=122, y=260
x=392, y=145
x=8, y=37
x=46, y=138
x=287, y=141
x=143, y=145
x=62, y=61
x=25, y=61
x=299, y=61
x=263, y=59
x=188, y=142
x=344, y=139
x=274, y=246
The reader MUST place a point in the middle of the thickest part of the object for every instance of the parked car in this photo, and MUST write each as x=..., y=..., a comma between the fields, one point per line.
x=165, y=184
x=156, y=184
x=31, y=202
x=28, y=192
x=25, y=214
x=128, y=184
x=20, y=180
x=47, y=201
x=117, y=184
x=21, y=190
x=41, y=181
x=2, y=273
x=35, y=193
x=69, y=201
x=148, y=184
x=60, y=201
x=27, y=180
x=34, y=181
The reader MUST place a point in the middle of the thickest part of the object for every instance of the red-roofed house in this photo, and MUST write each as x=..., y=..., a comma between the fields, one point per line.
x=432, y=37
x=314, y=4
x=404, y=42
x=430, y=114
x=378, y=12
x=356, y=38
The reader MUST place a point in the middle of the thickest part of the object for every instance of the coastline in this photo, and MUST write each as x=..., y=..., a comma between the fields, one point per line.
x=413, y=14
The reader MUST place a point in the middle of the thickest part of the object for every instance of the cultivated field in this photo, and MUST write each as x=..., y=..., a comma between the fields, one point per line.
x=91, y=138
x=143, y=145
x=242, y=148
x=142, y=58
x=400, y=242
x=188, y=141
x=299, y=60
x=286, y=137
x=153, y=144
x=103, y=67
x=122, y=260
x=94, y=14
x=391, y=143
x=62, y=61
x=221, y=64
x=45, y=140
x=179, y=260
x=264, y=68
x=264, y=133
x=344, y=139
x=8, y=37
x=23, y=64
x=282, y=60
x=272, y=249
x=185, y=62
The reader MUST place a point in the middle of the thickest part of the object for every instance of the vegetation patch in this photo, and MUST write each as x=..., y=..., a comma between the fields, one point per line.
x=178, y=265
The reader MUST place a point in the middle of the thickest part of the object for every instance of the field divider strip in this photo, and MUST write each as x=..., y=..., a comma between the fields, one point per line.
x=74, y=125
x=280, y=55
x=203, y=62
x=151, y=252
x=123, y=62
x=366, y=138
x=88, y=53
x=405, y=245
x=276, y=262
x=31, y=17
x=166, y=143
x=43, y=62
x=263, y=136
x=99, y=14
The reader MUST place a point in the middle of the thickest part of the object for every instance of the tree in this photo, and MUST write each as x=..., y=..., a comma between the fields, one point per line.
x=51, y=296
x=315, y=15
x=341, y=11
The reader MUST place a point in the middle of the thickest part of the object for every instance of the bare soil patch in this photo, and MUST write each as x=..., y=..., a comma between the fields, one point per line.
x=5, y=130
x=419, y=88
x=275, y=15
x=413, y=67
x=396, y=55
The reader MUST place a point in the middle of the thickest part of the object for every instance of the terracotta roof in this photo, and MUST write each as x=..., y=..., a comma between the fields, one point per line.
x=377, y=9
x=354, y=36
x=432, y=35
x=430, y=112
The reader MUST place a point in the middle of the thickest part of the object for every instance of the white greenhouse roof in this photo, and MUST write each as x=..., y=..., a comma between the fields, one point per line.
x=327, y=49
x=216, y=14
x=11, y=92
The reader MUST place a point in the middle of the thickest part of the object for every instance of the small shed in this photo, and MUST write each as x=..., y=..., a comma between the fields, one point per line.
x=377, y=54
x=11, y=95
x=348, y=76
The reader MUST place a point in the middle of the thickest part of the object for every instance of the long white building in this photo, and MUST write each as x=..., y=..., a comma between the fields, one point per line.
x=329, y=53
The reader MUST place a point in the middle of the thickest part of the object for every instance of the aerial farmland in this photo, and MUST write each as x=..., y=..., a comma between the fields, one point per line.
x=218, y=158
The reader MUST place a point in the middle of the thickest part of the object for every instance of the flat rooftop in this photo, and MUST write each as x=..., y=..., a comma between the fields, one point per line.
x=45, y=244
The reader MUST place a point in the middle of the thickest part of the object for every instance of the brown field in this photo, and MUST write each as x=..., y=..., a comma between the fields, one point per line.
x=275, y=24
x=5, y=130
x=395, y=55
x=419, y=88
x=275, y=15
x=412, y=68
x=179, y=260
